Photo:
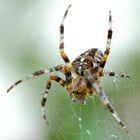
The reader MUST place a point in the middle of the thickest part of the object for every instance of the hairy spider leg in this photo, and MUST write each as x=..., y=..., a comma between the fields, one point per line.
x=107, y=51
x=45, y=95
x=100, y=92
x=61, y=47
x=115, y=74
x=62, y=52
x=108, y=105
x=36, y=73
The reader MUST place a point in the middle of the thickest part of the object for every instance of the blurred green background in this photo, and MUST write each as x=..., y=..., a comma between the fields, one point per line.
x=29, y=40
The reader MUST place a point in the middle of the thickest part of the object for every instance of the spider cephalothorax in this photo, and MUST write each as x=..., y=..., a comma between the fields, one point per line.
x=82, y=76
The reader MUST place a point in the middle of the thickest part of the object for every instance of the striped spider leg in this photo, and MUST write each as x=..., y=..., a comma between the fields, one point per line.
x=60, y=81
x=44, y=98
x=107, y=51
x=34, y=74
x=61, y=47
x=100, y=92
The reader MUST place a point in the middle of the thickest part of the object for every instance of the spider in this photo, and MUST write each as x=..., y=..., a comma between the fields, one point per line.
x=82, y=76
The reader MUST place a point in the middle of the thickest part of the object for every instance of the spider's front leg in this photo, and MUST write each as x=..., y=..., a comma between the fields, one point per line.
x=107, y=51
x=62, y=52
x=95, y=84
x=61, y=46
x=48, y=86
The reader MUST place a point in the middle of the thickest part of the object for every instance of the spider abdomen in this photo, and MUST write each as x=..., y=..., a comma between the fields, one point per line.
x=87, y=60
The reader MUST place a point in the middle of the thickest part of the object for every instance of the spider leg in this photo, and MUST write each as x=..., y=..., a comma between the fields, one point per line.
x=110, y=108
x=45, y=95
x=61, y=47
x=115, y=74
x=100, y=92
x=36, y=73
x=107, y=51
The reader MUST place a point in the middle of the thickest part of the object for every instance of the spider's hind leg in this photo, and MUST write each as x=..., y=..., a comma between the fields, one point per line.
x=100, y=92
x=45, y=95
x=110, y=108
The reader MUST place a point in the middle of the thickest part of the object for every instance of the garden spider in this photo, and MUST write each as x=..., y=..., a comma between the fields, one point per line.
x=81, y=76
